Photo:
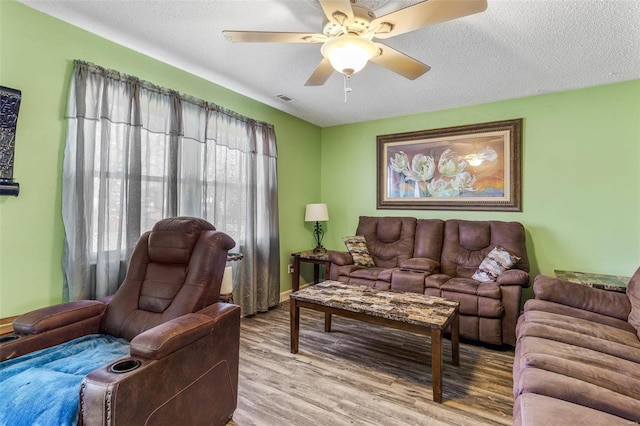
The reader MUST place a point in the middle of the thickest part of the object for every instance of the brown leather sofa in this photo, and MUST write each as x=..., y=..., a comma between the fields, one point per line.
x=187, y=345
x=577, y=359
x=438, y=258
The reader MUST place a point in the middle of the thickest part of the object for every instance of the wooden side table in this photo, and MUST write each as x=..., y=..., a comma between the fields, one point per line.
x=309, y=256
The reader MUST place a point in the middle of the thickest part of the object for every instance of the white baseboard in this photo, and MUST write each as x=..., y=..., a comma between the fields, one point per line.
x=284, y=296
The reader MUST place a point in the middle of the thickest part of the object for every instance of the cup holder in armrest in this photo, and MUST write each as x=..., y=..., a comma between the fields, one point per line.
x=125, y=366
x=8, y=338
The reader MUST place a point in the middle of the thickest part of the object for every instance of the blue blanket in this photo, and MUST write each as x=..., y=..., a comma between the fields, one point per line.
x=42, y=388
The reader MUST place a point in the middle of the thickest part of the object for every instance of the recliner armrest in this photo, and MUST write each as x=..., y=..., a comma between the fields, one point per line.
x=420, y=264
x=182, y=380
x=340, y=258
x=168, y=337
x=514, y=277
x=57, y=316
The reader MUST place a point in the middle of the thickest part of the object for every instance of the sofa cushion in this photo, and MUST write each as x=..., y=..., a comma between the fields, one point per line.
x=534, y=409
x=357, y=246
x=537, y=381
x=481, y=300
x=494, y=264
x=584, y=327
x=588, y=366
x=389, y=239
x=633, y=292
x=469, y=286
x=346, y=270
x=612, y=346
x=371, y=273
x=436, y=280
x=429, y=239
x=466, y=244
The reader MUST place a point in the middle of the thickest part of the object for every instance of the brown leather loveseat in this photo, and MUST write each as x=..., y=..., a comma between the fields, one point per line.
x=183, y=345
x=439, y=258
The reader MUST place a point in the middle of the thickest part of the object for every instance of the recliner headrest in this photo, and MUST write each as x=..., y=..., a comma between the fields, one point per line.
x=172, y=240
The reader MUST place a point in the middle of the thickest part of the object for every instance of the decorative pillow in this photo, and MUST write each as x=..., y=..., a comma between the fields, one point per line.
x=357, y=246
x=495, y=263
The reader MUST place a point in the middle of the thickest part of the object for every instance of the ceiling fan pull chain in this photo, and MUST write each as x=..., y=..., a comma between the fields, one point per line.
x=347, y=89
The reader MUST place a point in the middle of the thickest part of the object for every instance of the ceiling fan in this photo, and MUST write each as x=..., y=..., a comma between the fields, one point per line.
x=347, y=39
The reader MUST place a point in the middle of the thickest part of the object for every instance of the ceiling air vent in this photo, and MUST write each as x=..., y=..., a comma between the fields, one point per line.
x=284, y=97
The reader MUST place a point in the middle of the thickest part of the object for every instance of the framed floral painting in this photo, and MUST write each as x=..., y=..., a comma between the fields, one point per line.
x=474, y=167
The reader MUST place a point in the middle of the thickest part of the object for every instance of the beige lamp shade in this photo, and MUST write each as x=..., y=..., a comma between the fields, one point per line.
x=316, y=213
x=227, y=281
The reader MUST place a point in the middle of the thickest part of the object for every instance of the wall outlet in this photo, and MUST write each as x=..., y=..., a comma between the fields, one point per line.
x=290, y=268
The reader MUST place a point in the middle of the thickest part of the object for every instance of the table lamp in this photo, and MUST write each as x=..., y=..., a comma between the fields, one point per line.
x=226, y=288
x=317, y=213
x=227, y=281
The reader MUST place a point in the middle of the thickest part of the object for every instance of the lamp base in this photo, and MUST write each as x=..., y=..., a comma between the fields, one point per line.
x=226, y=298
x=318, y=233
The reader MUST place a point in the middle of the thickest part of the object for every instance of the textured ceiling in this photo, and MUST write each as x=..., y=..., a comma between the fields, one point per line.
x=515, y=48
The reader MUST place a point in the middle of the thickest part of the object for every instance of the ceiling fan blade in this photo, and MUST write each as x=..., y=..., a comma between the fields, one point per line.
x=274, y=37
x=337, y=11
x=399, y=63
x=422, y=14
x=321, y=74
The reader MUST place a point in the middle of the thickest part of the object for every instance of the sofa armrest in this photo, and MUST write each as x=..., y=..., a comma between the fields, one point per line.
x=341, y=258
x=579, y=296
x=514, y=277
x=168, y=337
x=106, y=300
x=420, y=264
x=58, y=316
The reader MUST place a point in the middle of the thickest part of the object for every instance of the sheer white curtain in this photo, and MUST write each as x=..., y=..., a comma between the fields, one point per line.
x=137, y=153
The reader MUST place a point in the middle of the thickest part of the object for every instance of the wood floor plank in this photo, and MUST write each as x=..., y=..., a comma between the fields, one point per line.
x=363, y=374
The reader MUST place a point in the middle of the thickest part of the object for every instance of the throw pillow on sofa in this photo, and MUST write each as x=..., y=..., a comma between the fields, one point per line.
x=494, y=264
x=357, y=246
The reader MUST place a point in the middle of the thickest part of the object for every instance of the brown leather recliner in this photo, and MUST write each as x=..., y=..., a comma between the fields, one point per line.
x=187, y=345
x=396, y=245
x=389, y=241
x=488, y=310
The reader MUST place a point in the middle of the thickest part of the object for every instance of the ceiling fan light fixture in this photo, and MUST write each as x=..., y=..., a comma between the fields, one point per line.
x=349, y=53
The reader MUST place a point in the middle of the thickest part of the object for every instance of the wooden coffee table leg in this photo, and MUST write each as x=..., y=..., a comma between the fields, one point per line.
x=436, y=364
x=295, y=325
x=455, y=339
x=327, y=322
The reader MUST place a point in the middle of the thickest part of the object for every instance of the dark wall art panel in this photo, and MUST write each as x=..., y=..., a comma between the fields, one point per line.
x=9, y=108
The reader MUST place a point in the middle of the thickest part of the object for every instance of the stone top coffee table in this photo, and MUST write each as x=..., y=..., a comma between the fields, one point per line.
x=417, y=313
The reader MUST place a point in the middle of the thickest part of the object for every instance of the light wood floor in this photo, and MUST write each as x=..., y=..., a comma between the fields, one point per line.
x=363, y=374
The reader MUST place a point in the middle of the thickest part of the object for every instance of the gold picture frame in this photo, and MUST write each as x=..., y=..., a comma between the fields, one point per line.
x=472, y=167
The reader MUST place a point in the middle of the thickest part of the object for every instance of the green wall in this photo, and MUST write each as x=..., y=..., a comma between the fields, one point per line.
x=581, y=157
x=36, y=57
x=580, y=183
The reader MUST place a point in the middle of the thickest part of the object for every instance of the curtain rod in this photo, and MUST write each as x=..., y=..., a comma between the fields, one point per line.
x=169, y=92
